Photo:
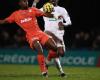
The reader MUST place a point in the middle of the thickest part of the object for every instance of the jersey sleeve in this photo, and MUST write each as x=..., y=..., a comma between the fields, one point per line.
x=11, y=18
x=66, y=17
x=38, y=12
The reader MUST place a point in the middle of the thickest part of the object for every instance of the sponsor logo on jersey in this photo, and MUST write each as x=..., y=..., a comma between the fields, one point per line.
x=26, y=20
x=52, y=19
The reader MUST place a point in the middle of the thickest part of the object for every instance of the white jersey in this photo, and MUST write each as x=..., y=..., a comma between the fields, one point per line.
x=63, y=12
x=51, y=24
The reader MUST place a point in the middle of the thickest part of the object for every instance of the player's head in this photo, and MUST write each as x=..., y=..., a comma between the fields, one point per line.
x=54, y=2
x=23, y=4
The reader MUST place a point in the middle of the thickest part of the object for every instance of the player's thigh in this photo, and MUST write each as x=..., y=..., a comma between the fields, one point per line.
x=43, y=37
x=53, y=35
x=61, y=51
x=35, y=44
x=48, y=41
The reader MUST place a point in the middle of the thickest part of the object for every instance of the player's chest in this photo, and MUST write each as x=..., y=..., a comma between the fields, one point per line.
x=51, y=19
x=24, y=17
x=25, y=14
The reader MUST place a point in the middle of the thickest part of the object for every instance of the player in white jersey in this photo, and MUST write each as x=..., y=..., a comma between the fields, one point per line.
x=55, y=28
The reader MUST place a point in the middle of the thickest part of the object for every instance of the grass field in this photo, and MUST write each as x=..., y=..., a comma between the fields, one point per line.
x=31, y=72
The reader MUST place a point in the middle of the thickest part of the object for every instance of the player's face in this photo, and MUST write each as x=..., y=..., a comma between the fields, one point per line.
x=23, y=4
x=54, y=2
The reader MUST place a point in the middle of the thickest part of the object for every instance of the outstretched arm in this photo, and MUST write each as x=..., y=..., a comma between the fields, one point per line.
x=3, y=21
x=35, y=3
x=9, y=19
x=66, y=18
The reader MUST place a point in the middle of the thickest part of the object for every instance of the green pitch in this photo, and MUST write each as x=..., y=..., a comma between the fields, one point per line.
x=31, y=72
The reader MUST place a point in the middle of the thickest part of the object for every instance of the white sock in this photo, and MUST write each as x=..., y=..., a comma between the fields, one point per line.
x=58, y=65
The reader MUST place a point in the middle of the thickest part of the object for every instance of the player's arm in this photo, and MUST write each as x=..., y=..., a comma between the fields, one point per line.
x=66, y=17
x=9, y=19
x=35, y=3
x=3, y=21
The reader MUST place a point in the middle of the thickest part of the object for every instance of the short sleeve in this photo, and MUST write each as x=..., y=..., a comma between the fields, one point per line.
x=11, y=18
x=66, y=17
x=38, y=12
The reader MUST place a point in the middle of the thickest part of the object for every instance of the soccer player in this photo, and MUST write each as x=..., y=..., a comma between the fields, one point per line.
x=55, y=28
x=25, y=17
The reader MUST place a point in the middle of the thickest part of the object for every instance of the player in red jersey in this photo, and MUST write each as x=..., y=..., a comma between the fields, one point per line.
x=25, y=17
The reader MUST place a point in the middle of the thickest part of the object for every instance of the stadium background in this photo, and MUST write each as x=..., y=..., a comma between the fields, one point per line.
x=84, y=32
x=82, y=39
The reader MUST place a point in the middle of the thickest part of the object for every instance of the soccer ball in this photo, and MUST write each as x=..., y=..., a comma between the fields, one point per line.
x=48, y=7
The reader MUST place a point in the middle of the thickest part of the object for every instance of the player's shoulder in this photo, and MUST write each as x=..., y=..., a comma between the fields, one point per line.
x=15, y=12
x=33, y=8
x=60, y=8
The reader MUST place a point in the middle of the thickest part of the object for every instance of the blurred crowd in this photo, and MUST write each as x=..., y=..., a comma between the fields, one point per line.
x=86, y=40
x=77, y=39
x=12, y=38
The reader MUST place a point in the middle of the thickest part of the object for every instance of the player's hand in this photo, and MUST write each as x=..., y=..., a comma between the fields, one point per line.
x=61, y=26
x=36, y=1
x=3, y=21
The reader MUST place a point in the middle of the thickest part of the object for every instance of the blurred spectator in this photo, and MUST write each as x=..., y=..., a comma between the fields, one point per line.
x=96, y=42
x=5, y=39
x=78, y=40
x=82, y=40
x=19, y=38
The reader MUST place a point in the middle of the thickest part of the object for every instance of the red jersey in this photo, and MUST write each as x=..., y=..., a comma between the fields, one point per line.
x=26, y=19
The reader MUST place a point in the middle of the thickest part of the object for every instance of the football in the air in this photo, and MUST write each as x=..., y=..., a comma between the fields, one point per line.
x=48, y=7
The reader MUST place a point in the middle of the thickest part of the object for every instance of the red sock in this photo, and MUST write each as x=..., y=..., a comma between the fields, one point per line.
x=52, y=54
x=41, y=61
